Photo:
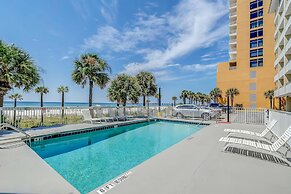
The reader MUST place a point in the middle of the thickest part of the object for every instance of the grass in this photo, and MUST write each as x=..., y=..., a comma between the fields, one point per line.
x=48, y=121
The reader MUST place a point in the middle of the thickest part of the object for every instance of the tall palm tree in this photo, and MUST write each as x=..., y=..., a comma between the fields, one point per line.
x=232, y=92
x=174, y=99
x=147, y=83
x=124, y=88
x=184, y=95
x=41, y=90
x=215, y=94
x=17, y=70
x=15, y=97
x=90, y=68
x=270, y=95
x=62, y=90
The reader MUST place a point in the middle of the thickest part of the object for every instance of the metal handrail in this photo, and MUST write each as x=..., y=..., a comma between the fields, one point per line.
x=6, y=125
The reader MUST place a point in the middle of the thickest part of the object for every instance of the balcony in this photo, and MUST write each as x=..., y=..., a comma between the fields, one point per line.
x=279, y=92
x=232, y=6
x=232, y=42
x=288, y=8
x=288, y=68
x=288, y=89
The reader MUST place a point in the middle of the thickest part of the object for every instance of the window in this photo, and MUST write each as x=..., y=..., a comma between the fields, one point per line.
x=256, y=53
x=256, y=43
x=257, y=13
x=253, y=74
x=253, y=97
x=254, y=105
x=253, y=86
x=256, y=23
x=255, y=4
x=256, y=62
x=256, y=33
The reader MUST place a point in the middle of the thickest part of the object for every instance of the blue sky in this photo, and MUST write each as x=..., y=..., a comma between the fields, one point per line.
x=181, y=42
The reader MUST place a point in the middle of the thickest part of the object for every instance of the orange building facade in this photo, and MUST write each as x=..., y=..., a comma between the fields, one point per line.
x=251, y=50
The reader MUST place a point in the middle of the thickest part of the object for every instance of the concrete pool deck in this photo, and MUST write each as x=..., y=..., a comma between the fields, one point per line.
x=198, y=165
x=195, y=165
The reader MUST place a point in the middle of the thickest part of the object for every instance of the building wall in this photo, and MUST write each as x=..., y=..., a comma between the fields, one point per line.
x=240, y=77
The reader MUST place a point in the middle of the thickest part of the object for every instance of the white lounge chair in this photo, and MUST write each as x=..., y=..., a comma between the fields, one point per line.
x=282, y=141
x=87, y=117
x=269, y=126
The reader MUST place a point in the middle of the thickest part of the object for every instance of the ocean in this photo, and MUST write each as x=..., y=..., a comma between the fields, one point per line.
x=68, y=104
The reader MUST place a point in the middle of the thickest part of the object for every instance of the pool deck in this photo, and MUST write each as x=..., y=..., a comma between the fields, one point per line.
x=198, y=165
x=195, y=165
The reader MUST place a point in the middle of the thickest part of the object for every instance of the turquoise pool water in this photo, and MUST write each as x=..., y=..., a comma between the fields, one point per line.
x=89, y=160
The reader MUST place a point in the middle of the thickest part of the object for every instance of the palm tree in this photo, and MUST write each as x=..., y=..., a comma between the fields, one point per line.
x=270, y=95
x=232, y=92
x=124, y=88
x=41, y=90
x=62, y=90
x=90, y=68
x=215, y=94
x=15, y=97
x=174, y=98
x=184, y=95
x=199, y=97
x=157, y=96
x=17, y=70
x=147, y=83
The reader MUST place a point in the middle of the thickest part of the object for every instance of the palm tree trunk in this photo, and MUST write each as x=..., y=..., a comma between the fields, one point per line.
x=174, y=102
x=1, y=99
x=41, y=100
x=184, y=100
x=14, y=113
x=91, y=97
x=232, y=99
x=41, y=105
x=90, y=93
x=124, y=107
x=63, y=103
x=271, y=103
x=144, y=100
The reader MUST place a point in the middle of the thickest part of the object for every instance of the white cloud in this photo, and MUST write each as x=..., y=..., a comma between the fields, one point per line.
x=199, y=67
x=147, y=28
x=108, y=9
x=65, y=57
x=195, y=24
x=192, y=24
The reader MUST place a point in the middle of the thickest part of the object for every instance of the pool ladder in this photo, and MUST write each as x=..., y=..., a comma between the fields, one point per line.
x=11, y=142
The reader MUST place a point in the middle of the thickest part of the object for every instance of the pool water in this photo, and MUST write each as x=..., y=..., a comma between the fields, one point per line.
x=89, y=160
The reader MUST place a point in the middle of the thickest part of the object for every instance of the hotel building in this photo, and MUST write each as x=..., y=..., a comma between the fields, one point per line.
x=251, y=52
x=282, y=35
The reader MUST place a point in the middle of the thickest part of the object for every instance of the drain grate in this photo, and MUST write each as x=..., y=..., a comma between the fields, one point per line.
x=258, y=155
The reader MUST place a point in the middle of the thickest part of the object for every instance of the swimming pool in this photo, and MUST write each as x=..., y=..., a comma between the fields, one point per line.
x=91, y=159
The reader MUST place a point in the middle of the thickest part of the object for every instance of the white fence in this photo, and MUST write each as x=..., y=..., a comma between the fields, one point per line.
x=248, y=115
x=15, y=116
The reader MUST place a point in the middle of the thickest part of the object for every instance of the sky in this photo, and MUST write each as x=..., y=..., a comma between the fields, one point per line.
x=180, y=42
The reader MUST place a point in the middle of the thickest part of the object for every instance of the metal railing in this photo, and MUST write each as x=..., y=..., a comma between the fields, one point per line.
x=248, y=115
x=27, y=117
x=5, y=126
